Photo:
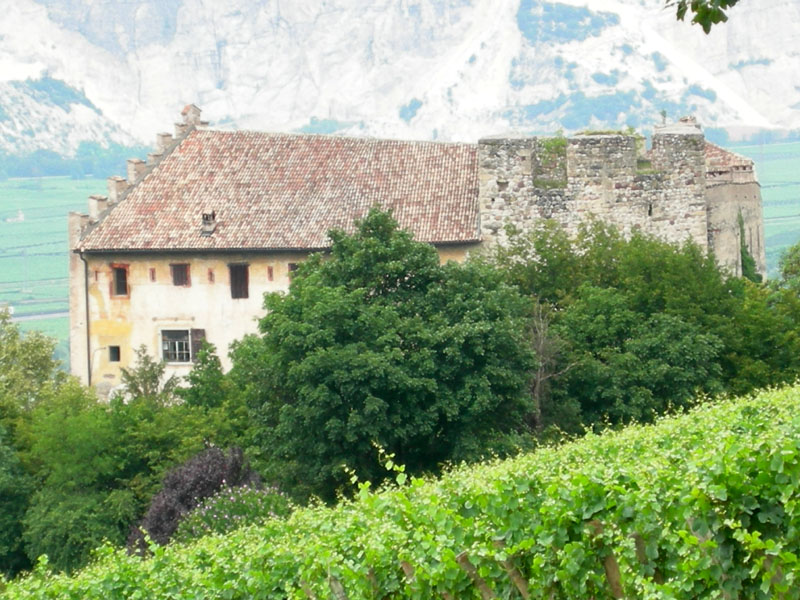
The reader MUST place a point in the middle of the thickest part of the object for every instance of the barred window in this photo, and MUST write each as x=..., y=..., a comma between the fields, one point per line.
x=175, y=345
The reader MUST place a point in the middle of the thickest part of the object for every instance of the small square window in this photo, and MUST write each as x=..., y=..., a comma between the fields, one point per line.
x=119, y=283
x=239, y=280
x=113, y=354
x=180, y=275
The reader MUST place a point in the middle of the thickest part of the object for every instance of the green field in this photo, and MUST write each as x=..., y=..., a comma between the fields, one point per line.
x=33, y=252
x=778, y=170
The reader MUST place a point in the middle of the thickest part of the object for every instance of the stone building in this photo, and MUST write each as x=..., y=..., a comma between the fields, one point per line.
x=184, y=248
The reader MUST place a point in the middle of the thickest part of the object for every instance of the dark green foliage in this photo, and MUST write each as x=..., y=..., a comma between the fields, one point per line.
x=15, y=489
x=185, y=487
x=379, y=343
x=790, y=268
x=207, y=385
x=748, y=262
x=643, y=325
x=706, y=13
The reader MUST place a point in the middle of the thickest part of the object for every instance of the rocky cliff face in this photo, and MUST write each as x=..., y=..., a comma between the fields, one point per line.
x=425, y=69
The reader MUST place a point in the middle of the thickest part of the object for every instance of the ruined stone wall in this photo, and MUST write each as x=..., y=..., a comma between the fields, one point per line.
x=520, y=184
x=726, y=201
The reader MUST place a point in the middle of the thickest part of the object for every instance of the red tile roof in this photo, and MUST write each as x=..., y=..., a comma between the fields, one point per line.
x=720, y=159
x=282, y=191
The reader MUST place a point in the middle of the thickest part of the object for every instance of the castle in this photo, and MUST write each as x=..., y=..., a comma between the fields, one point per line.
x=184, y=248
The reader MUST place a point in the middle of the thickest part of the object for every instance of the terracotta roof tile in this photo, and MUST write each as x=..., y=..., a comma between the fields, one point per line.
x=282, y=191
x=720, y=159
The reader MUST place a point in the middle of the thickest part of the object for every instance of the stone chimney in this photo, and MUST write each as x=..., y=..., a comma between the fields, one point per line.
x=181, y=129
x=97, y=204
x=163, y=141
x=116, y=187
x=136, y=168
x=154, y=157
x=191, y=114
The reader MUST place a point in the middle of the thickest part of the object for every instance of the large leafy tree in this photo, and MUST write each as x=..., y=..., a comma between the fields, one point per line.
x=379, y=344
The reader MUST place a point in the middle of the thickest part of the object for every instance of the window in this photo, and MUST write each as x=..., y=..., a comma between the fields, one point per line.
x=119, y=280
x=239, y=280
x=113, y=354
x=152, y=274
x=180, y=275
x=175, y=345
x=292, y=269
x=269, y=273
x=211, y=276
x=181, y=345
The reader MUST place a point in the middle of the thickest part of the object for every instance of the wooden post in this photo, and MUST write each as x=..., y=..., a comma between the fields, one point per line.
x=513, y=573
x=641, y=556
x=337, y=589
x=308, y=591
x=463, y=562
x=610, y=564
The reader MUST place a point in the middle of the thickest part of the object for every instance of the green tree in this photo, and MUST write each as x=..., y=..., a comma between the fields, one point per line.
x=380, y=344
x=15, y=489
x=146, y=379
x=27, y=372
x=629, y=366
x=705, y=13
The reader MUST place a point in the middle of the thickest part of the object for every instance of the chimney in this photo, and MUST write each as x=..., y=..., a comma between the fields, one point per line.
x=116, y=187
x=181, y=129
x=191, y=114
x=163, y=141
x=97, y=204
x=136, y=167
x=208, y=223
x=154, y=157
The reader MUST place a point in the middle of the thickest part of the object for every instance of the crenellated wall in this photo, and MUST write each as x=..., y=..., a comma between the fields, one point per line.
x=664, y=192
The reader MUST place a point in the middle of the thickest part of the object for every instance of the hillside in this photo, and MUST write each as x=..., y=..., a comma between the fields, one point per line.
x=685, y=508
x=417, y=69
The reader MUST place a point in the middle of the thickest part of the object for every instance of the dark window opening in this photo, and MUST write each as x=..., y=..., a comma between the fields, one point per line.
x=239, y=281
x=119, y=285
x=211, y=276
x=649, y=210
x=175, y=345
x=180, y=275
x=292, y=269
x=269, y=273
x=113, y=354
x=152, y=274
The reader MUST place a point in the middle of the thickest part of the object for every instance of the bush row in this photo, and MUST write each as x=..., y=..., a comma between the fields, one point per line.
x=699, y=505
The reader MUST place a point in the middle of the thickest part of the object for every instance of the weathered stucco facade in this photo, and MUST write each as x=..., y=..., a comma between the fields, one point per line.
x=185, y=248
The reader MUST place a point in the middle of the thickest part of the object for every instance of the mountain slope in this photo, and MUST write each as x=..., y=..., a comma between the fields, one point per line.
x=429, y=69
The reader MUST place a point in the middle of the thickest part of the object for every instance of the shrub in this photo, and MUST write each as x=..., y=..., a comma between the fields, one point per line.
x=231, y=508
x=185, y=487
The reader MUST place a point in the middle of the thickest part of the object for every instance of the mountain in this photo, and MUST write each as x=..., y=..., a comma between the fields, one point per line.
x=100, y=71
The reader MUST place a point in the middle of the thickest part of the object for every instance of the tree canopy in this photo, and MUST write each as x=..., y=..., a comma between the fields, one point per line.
x=379, y=344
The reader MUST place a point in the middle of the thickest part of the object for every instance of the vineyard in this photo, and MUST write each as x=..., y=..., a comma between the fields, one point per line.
x=702, y=505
